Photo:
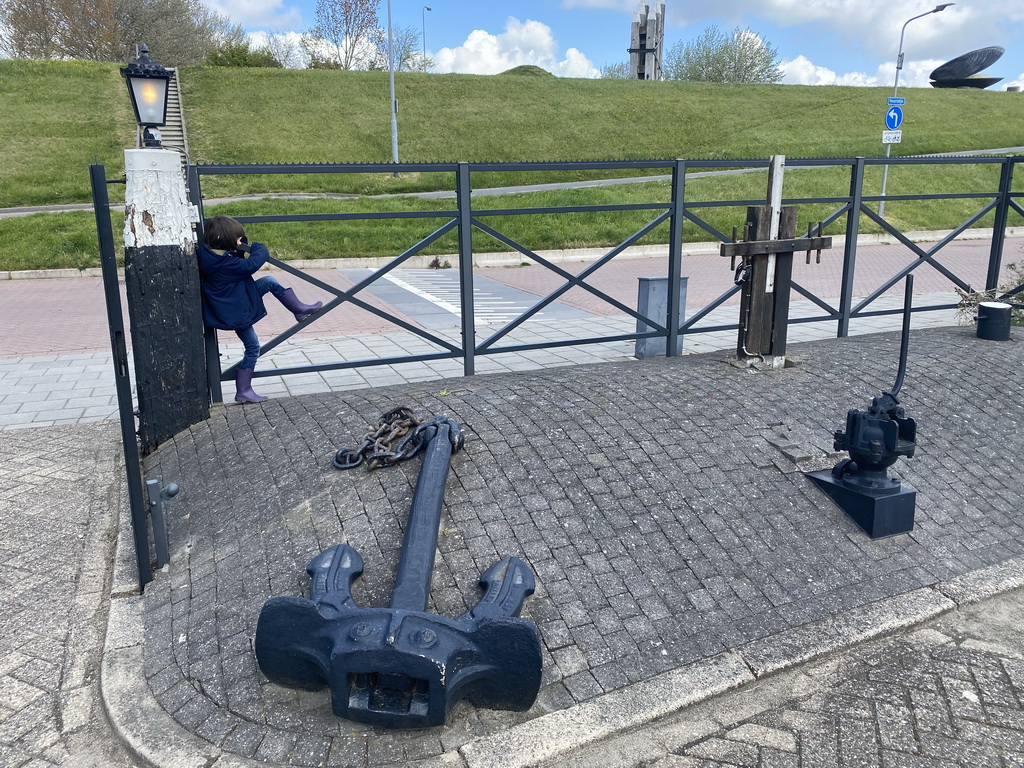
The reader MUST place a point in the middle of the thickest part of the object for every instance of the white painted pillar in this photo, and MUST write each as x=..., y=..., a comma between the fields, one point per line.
x=163, y=291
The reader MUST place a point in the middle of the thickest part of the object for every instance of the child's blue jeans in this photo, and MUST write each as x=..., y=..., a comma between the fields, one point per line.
x=248, y=335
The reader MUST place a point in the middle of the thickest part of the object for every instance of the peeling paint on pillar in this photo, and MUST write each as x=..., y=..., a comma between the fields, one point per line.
x=162, y=286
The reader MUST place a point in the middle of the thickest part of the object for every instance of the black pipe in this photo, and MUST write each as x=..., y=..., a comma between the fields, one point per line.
x=908, y=300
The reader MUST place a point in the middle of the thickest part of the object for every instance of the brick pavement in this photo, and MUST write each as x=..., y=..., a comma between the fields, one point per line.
x=950, y=693
x=68, y=316
x=664, y=526
x=55, y=365
x=59, y=499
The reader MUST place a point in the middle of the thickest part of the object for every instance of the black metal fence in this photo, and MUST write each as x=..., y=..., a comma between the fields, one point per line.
x=848, y=210
x=469, y=214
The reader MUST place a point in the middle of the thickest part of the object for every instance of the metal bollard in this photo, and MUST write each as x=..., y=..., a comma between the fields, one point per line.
x=157, y=497
x=994, y=319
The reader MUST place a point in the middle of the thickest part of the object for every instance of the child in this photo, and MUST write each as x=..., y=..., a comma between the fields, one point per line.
x=233, y=300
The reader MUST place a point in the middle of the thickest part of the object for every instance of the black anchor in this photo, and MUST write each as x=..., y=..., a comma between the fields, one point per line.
x=400, y=667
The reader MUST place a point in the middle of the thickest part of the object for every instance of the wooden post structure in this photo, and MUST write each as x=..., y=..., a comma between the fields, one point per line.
x=766, y=273
x=647, y=38
x=162, y=287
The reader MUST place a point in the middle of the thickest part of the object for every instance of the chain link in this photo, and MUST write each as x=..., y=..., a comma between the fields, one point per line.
x=399, y=436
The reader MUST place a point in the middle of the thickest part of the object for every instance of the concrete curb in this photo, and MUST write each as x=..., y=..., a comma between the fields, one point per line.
x=157, y=739
x=514, y=258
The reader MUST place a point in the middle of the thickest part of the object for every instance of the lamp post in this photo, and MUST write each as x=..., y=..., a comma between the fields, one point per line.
x=147, y=85
x=394, y=101
x=896, y=88
x=423, y=30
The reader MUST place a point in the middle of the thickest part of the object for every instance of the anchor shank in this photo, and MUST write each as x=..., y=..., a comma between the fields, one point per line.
x=416, y=562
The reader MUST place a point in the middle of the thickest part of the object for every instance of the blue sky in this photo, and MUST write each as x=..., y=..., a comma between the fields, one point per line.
x=846, y=42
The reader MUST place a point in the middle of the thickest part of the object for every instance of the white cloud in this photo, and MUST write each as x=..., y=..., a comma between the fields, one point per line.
x=970, y=24
x=268, y=14
x=801, y=71
x=529, y=42
x=915, y=74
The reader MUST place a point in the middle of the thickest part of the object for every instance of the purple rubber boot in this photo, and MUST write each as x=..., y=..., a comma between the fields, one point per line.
x=243, y=387
x=301, y=311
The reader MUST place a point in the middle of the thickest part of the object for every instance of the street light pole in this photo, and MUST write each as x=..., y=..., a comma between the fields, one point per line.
x=896, y=88
x=394, y=101
x=423, y=29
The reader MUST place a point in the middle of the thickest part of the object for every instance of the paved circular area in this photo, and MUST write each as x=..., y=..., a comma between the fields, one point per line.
x=658, y=503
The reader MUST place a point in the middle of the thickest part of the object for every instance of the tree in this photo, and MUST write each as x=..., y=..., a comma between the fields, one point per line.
x=29, y=29
x=177, y=31
x=617, y=71
x=346, y=33
x=286, y=47
x=241, y=55
x=715, y=57
x=408, y=52
x=44, y=29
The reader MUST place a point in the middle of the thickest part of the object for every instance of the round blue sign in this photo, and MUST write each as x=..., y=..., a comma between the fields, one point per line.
x=894, y=118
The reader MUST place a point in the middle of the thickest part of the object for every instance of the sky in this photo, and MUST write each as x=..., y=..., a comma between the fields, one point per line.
x=819, y=42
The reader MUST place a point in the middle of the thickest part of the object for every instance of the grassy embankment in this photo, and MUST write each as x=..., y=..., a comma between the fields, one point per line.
x=246, y=116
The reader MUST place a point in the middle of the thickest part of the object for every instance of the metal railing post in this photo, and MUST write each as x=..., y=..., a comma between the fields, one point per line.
x=675, y=255
x=463, y=193
x=122, y=376
x=995, y=259
x=850, y=247
x=212, y=350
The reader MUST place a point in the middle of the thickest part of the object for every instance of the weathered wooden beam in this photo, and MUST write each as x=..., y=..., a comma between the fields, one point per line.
x=751, y=247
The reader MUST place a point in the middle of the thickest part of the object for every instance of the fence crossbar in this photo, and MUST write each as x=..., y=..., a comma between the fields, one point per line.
x=349, y=296
x=833, y=313
x=572, y=280
x=578, y=280
x=370, y=362
x=699, y=315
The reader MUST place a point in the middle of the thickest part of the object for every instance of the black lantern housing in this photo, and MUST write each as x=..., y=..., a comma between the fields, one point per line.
x=147, y=85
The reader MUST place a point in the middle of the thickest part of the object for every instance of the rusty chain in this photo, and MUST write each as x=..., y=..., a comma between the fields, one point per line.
x=399, y=436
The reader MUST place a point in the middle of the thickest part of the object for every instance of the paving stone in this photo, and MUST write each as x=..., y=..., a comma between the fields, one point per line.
x=624, y=548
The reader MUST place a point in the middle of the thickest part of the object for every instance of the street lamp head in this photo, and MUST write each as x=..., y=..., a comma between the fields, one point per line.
x=942, y=7
x=147, y=85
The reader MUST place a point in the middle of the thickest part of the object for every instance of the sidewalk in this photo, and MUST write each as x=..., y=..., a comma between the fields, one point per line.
x=945, y=694
x=60, y=497
x=679, y=553
x=699, y=603
x=56, y=369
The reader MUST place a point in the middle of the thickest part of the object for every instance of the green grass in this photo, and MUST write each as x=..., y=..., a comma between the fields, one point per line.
x=53, y=240
x=57, y=117
x=69, y=240
x=236, y=115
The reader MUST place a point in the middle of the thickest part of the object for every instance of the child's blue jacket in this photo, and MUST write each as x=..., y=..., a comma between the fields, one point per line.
x=231, y=301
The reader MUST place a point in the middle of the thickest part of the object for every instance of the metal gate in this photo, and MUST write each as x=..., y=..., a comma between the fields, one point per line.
x=470, y=215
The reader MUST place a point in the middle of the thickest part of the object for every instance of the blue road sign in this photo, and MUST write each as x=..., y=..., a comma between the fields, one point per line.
x=893, y=118
x=896, y=101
